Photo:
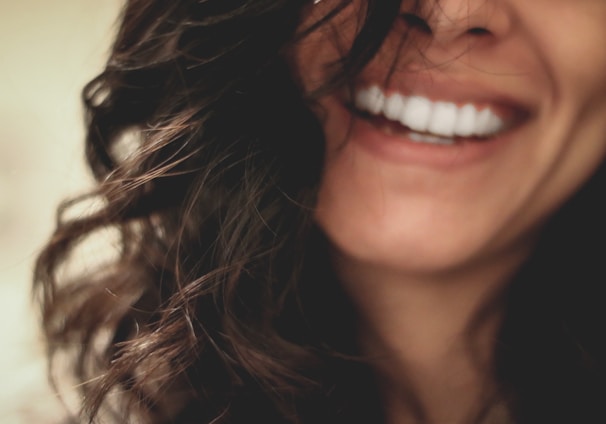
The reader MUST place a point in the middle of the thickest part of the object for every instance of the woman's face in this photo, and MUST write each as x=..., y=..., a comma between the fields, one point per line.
x=512, y=91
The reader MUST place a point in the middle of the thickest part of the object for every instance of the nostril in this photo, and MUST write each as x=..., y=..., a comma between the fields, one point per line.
x=478, y=31
x=416, y=22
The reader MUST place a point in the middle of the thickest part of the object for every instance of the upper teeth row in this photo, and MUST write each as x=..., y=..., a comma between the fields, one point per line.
x=420, y=114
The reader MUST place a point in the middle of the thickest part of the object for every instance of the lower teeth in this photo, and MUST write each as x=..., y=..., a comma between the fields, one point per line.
x=427, y=138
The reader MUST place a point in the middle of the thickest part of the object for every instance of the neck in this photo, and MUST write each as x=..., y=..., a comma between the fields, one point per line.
x=429, y=337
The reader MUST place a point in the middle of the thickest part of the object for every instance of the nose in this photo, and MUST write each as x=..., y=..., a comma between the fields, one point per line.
x=448, y=23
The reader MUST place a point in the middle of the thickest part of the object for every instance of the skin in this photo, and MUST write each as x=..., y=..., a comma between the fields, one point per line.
x=414, y=242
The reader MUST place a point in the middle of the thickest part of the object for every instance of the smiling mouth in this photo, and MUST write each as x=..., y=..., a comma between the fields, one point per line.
x=422, y=120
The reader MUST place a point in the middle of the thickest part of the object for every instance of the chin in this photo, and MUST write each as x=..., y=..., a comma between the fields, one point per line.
x=407, y=249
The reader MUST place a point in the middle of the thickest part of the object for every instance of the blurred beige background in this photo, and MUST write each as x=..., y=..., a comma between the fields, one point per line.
x=48, y=50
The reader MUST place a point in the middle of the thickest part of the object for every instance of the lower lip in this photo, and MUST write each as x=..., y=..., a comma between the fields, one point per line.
x=400, y=149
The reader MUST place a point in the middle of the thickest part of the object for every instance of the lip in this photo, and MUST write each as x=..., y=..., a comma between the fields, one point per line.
x=401, y=150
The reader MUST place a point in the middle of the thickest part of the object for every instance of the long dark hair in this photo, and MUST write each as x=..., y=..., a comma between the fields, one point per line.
x=216, y=301
x=207, y=159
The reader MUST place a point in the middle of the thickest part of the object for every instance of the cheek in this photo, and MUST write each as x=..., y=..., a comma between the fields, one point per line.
x=568, y=36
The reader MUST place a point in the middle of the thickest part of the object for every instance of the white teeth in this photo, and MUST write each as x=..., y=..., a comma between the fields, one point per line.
x=417, y=113
x=442, y=119
x=487, y=123
x=427, y=138
x=394, y=106
x=482, y=121
x=466, y=120
x=376, y=100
